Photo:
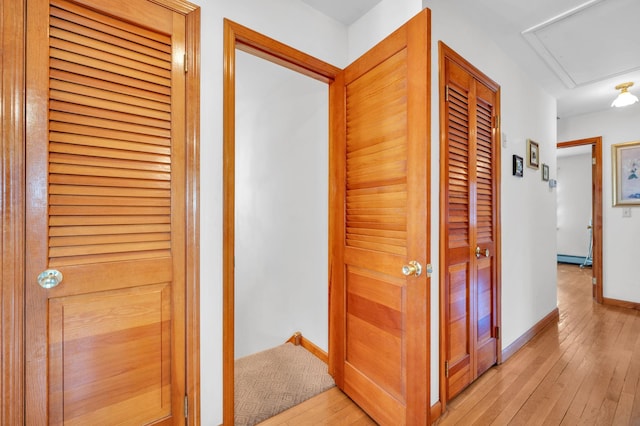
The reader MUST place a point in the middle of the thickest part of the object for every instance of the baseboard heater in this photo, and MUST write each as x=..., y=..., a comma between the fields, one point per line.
x=575, y=260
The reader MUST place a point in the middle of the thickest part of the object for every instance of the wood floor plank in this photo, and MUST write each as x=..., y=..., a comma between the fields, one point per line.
x=331, y=407
x=584, y=370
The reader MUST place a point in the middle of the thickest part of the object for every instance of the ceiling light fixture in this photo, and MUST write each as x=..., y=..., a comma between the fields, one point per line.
x=624, y=98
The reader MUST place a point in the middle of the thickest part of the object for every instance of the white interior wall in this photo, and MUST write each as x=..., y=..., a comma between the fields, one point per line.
x=620, y=234
x=574, y=204
x=379, y=22
x=528, y=211
x=281, y=252
x=310, y=32
x=528, y=275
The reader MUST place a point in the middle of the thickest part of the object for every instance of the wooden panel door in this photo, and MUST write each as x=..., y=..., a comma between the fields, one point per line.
x=469, y=222
x=379, y=333
x=106, y=208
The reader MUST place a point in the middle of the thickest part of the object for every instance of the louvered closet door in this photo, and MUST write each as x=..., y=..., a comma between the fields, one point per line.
x=105, y=156
x=469, y=206
x=383, y=327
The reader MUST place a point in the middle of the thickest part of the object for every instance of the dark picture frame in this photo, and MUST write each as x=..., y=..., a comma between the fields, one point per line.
x=518, y=166
x=533, y=154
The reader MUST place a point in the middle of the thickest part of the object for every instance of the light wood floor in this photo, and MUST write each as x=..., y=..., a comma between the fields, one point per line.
x=583, y=371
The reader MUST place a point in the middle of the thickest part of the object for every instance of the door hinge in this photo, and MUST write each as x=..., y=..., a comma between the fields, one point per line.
x=497, y=332
x=446, y=93
x=593, y=161
x=186, y=69
x=594, y=280
x=186, y=406
x=496, y=120
x=446, y=369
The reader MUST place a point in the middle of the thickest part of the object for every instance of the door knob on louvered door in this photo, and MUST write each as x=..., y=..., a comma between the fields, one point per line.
x=479, y=251
x=413, y=268
x=49, y=278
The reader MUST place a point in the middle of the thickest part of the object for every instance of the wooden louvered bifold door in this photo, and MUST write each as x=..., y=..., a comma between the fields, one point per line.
x=383, y=333
x=458, y=238
x=485, y=322
x=469, y=225
x=104, y=208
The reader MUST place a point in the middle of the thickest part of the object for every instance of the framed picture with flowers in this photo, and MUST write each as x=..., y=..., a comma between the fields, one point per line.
x=626, y=173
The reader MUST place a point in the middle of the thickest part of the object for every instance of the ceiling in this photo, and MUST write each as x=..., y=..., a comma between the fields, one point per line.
x=577, y=50
x=345, y=11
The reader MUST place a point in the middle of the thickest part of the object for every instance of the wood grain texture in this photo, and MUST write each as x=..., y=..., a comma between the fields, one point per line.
x=192, y=214
x=331, y=408
x=382, y=362
x=469, y=223
x=14, y=24
x=540, y=326
x=583, y=369
x=12, y=214
x=103, y=136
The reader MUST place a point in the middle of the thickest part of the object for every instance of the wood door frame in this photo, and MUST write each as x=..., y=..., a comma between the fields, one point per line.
x=239, y=37
x=13, y=186
x=12, y=181
x=445, y=52
x=596, y=209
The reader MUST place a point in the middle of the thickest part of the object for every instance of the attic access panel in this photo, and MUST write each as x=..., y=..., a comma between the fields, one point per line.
x=591, y=42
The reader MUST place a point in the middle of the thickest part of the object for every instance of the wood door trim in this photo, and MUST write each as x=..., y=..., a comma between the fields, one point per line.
x=13, y=20
x=596, y=197
x=551, y=318
x=192, y=212
x=240, y=37
x=444, y=53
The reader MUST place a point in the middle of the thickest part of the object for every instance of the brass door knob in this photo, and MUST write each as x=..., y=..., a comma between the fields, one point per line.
x=413, y=268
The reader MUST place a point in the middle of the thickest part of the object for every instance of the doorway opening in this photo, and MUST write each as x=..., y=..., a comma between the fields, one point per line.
x=241, y=38
x=596, y=208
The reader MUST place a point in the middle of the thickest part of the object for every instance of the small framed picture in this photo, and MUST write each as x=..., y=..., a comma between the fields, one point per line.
x=626, y=174
x=518, y=165
x=533, y=154
x=545, y=172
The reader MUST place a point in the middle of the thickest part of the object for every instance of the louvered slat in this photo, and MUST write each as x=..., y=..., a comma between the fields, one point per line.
x=376, y=159
x=109, y=230
x=458, y=173
x=112, y=122
x=59, y=65
x=107, y=191
x=128, y=147
x=116, y=136
x=110, y=155
x=89, y=80
x=485, y=197
x=98, y=104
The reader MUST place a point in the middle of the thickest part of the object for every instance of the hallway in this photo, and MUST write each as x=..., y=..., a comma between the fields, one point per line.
x=583, y=371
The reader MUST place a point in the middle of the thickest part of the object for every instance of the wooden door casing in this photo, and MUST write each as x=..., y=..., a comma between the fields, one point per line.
x=469, y=224
x=596, y=213
x=379, y=336
x=111, y=204
x=238, y=37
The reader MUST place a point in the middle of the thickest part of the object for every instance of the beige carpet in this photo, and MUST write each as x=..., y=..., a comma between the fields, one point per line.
x=275, y=380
